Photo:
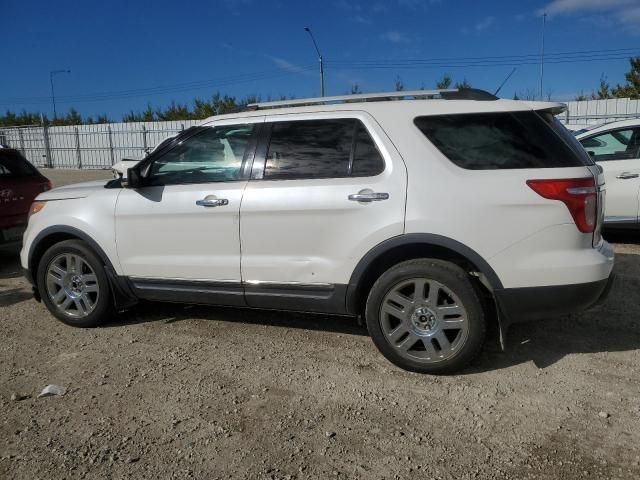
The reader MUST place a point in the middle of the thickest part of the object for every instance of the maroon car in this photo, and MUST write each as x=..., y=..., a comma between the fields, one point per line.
x=20, y=183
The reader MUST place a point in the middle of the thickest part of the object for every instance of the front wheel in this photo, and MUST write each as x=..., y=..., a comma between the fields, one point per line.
x=425, y=316
x=73, y=284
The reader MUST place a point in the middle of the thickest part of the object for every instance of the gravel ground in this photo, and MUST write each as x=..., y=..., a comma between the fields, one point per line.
x=172, y=391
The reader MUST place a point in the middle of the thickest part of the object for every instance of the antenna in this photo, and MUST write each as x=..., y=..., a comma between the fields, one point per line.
x=505, y=81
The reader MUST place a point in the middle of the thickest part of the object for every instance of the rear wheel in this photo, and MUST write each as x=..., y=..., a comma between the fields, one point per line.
x=73, y=284
x=425, y=316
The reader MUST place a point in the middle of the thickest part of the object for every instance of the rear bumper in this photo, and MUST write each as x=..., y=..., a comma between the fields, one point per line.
x=533, y=303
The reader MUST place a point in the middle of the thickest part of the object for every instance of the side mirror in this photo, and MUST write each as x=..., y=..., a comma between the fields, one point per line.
x=134, y=179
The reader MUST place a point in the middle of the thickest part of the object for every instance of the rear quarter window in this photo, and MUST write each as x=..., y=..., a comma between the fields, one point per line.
x=12, y=164
x=500, y=140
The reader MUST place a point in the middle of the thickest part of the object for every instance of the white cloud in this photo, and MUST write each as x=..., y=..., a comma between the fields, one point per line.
x=349, y=6
x=362, y=19
x=485, y=23
x=623, y=13
x=394, y=36
x=288, y=66
x=417, y=4
x=482, y=25
x=559, y=7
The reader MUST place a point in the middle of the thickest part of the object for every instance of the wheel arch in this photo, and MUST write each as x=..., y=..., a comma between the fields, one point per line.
x=58, y=233
x=121, y=291
x=409, y=246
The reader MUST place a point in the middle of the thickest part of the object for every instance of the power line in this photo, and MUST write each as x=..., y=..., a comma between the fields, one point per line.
x=536, y=56
x=160, y=90
x=427, y=64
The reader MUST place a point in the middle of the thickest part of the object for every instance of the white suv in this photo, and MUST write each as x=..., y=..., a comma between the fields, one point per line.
x=433, y=214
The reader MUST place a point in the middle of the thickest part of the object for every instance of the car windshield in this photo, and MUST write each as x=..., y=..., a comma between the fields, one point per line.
x=12, y=164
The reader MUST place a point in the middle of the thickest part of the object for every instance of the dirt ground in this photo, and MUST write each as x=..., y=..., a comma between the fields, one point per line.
x=172, y=391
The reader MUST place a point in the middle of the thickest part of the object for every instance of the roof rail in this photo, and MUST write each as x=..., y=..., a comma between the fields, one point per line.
x=445, y=94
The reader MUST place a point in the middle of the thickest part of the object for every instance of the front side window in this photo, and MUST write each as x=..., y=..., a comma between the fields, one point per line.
x=213, y=155
x=321, y=149
x=614, y=145
x=499, y=140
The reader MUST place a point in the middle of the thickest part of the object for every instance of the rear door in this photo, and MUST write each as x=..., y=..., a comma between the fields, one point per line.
x=618, y=153
x=323, y=192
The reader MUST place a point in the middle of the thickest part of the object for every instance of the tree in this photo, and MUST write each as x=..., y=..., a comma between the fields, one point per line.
x=222, y=105
x=581, y=97
x=174, y=111
x=202, y=109
x=464, y=84
x=444, y=82
x=399, y=86
x=603, y=91
x=632, y=87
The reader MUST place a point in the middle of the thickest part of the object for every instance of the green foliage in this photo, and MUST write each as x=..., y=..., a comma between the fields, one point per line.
x=603, y=91
x=631, y=89
x=463, y=84
x=444, y=82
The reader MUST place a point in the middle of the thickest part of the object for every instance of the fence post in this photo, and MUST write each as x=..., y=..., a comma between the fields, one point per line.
x=21, y=138
x=47, y=146
x=182, y=127
x=144, y=139
x=78, y=154
x=113, y=161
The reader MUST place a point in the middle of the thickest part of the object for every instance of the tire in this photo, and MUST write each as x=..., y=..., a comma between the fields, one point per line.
x=73, y=284
x=438, y=331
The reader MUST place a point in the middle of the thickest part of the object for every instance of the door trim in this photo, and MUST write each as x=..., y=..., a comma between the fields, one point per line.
x=620, y=219
x=189, y=291
x=293, y=296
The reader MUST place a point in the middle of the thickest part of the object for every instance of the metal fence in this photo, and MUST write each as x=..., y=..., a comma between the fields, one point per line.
x=593, y=112
x=100, y=146
x=88, y=146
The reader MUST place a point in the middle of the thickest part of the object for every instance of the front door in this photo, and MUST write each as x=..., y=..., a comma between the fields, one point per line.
x=183, y=224
x=618, y=153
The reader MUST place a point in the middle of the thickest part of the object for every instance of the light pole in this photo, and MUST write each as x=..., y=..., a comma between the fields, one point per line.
x=53, y=73
x=308, y=30
x=544, y=24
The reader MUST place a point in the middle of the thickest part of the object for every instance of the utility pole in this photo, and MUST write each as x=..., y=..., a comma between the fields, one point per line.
x=308, y=30
x=544, y=24
x=52, y=74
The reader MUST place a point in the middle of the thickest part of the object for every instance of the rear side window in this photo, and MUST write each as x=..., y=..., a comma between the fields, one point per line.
x=321, y=149
x=12, y=164
x=499, y=140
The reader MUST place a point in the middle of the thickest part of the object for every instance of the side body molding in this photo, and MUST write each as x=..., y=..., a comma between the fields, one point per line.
x=426, y=239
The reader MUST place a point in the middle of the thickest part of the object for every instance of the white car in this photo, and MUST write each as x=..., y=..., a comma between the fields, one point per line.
x=616, y=148
x=434, y=215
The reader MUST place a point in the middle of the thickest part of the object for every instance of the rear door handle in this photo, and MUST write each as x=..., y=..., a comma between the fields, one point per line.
x=626, y=175
x=368, y=196
x=212, y=201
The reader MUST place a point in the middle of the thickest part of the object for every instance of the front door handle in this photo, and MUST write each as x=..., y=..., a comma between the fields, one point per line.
x=212, y=201
x=368, y=196
x=626, y=175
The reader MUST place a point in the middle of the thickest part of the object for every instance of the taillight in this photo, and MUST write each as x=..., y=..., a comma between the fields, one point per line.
x=578, y=194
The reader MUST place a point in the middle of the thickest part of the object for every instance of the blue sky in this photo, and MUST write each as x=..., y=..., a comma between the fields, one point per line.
x=124, y=55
